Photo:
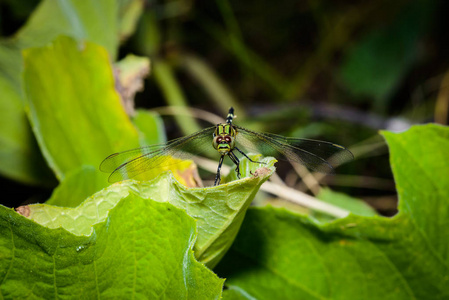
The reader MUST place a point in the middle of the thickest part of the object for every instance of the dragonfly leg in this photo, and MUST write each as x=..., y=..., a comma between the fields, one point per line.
x=236, y=161
x=253, y=161
x=218, y=176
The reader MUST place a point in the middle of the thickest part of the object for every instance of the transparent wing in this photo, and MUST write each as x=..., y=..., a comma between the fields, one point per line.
x=130, y=163
x=316, y=155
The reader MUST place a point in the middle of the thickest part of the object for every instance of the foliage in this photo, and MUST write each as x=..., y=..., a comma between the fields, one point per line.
x=82, y=20
x=66, y=139
x=64, y=74
x=92, y=229
x=278, y=254
x=125, y=253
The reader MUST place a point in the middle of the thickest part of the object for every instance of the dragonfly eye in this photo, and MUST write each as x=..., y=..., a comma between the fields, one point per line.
x=228, y=139
x=219, y=139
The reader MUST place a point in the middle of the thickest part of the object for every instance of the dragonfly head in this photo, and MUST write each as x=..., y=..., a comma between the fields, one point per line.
x=224, y=138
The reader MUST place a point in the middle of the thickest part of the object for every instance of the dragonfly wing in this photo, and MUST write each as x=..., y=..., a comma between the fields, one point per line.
x=335, y=154
x=316, y=155
x=115, y=160
x=129, y=164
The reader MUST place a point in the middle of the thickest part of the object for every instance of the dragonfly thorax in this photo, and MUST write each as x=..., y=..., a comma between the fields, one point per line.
x=224, y=138
x=315, y=155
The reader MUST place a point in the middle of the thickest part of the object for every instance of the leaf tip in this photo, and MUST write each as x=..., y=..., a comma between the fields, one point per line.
x=261, y=172
x=24, y=210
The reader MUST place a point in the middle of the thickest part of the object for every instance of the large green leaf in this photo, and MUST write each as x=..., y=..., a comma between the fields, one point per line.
x=353, y=205
x=78, y=117
x=96, y=21
x=121, y=242
x=20, y=158
x=281, y=255
x=219, y=211
x=77, y=186
x=74, y=109
x=87, y=180
x=133, y=248
x=104, y=22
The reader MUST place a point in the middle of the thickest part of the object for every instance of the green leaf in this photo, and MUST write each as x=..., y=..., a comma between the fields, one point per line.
x=20, y=158
x=129, y=15
x=150, y=127
x=420, y=167
x=355, y=206
x=281, y=255
x=77, y=186
x=96, y=21
x=247, y=168
x=219, y=211
x=74, y=109
x=233, y=293
x=138, y=248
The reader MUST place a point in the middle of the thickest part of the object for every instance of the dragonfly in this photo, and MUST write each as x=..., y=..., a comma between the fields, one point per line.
x=229, y=140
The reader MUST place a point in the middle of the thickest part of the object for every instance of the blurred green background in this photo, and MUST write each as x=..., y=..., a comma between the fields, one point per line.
x=333, y=70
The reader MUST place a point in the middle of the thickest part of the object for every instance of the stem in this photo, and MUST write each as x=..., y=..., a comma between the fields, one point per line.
x=172, y=91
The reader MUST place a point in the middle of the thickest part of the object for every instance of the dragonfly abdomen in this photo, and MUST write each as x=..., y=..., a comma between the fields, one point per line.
x=230, y=116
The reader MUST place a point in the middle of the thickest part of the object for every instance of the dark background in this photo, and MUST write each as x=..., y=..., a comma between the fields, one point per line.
x=335, y=70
